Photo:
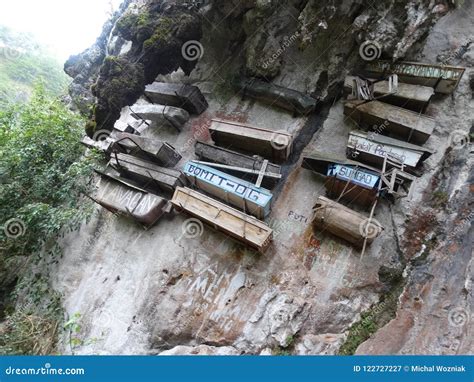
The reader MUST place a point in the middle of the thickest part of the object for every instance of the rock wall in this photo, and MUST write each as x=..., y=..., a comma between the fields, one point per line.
x=162, y=290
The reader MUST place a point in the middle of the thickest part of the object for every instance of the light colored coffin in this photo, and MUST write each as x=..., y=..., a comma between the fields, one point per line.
x=443, y=78
x=405, y=124
x=239, y=193
x=408, y=96
x=343, y=222
x=234, y=223
x=119, y=196
x=371, y=148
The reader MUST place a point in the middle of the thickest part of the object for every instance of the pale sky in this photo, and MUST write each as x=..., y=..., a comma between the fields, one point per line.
x=65, y=26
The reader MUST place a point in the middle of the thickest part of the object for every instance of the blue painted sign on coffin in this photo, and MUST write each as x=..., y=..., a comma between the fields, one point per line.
x=237, y=192
x=363, y=178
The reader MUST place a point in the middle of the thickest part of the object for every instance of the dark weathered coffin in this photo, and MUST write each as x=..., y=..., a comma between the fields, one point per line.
x=148, y=148
x=391, y=120
x=235, y=191
x=150, y=175
x=372, y=148
x=220, y=216
x=343, y=222
x=227, y=157
x=356, y=191
x=408, y=96
x=275, y=95
x=443, y=78
x=187, y=97
x=120, y=196
x=273, y=145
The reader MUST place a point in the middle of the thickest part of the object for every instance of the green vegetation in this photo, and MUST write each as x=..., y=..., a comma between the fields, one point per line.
x=372, y=319
x=43, y=173
x=440, y=199
x=287, y=349
x=22, y=63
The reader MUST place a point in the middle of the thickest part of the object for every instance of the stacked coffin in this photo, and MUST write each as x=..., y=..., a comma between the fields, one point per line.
x=233, y=171
x=385, y=154
x=140, y=179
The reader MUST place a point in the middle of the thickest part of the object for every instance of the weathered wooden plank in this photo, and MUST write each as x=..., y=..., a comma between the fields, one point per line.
x=232, y=222
x=187, y=97
x=147, y=173
x=274, y=95
x=118, y=196
x=372, y=148
x=389, y=119
x=343, y=222
x=227, y=157
x=443, y=78
x=273, y=145
x=408, y=96
x=148, y=148
x=237, y=192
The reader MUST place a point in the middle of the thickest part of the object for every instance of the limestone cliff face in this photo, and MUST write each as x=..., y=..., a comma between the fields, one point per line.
x=160, y=291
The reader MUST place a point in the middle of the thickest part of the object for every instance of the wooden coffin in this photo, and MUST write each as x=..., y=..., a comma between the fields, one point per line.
x=150, y=175
x=251, y=199
x=241, y=164
x=443, y=78
x=120, y=196
x=391, y=120
x=363, y=180
x=371, y=148
x=187, y=97
x=125, y=127
x=232, y=222
x=343, y=222
x=273, y=145
x=408, y=96
x=105, y=145
x=148, y=148
x=274, y=95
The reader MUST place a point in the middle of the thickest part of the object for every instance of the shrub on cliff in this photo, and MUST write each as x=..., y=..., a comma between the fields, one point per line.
x=43, y=172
